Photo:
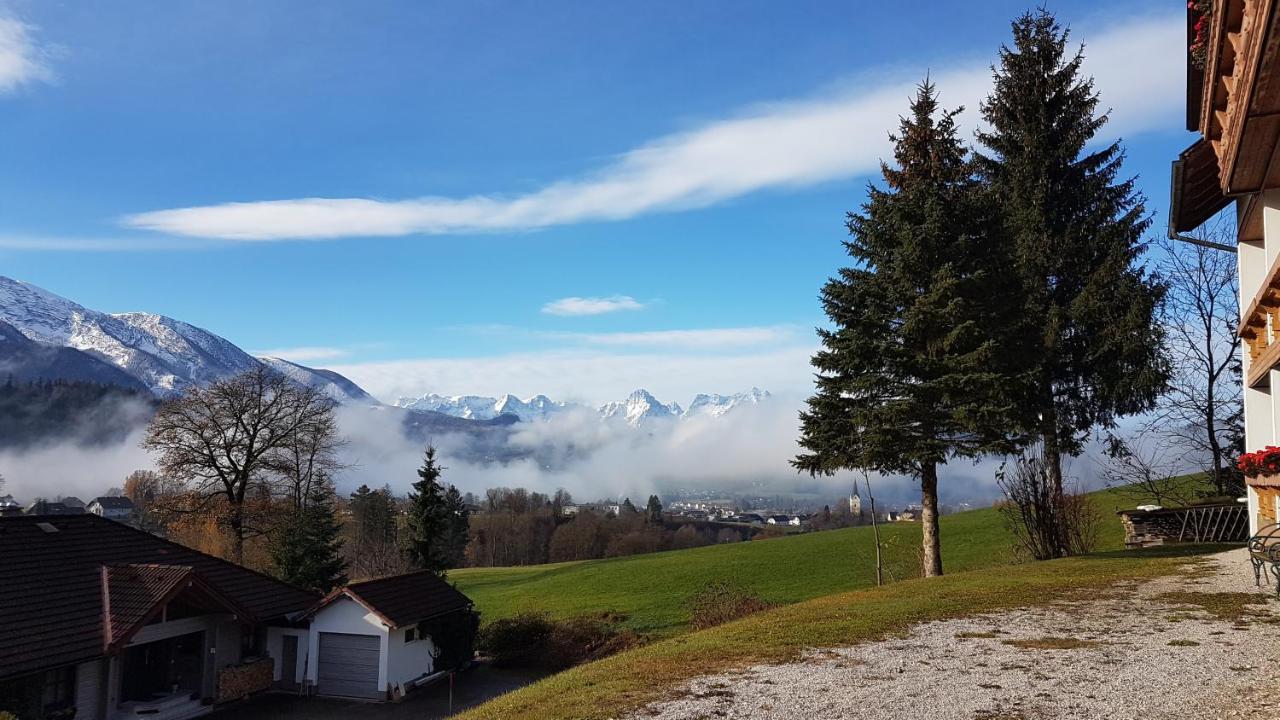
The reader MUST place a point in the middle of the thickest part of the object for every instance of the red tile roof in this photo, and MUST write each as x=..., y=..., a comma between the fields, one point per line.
x=51, y=586
x=402, y=600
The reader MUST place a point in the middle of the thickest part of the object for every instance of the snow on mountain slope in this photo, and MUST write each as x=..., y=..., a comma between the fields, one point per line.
x=479, y=407
x=164, y=354
x=328, y=382
x=640, y=407
x=25, y=360
x=717, y=405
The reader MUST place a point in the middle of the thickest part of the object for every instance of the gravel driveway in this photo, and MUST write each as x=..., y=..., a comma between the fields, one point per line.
x=1202, y=645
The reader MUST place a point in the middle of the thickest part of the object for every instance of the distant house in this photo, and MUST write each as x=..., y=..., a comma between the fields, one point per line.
x=112, y=508
x=72, y=501
x=383, y=637
x=779, y=520
x=748, y=518
x=9, y=506
x=48, y=507
x=569, y=510
x=795, y=521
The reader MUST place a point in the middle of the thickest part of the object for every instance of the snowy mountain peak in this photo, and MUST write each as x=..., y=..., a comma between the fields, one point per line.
x=164, y=354
x=639, y=407
x=479, y=407
x=717, y=405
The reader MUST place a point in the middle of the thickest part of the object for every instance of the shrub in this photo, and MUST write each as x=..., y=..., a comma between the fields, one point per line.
x=534, y=640
x=721, y=601
x=515, y=641
x=583, y=639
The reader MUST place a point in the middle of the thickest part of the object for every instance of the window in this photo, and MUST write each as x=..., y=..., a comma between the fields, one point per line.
x=252, y=642
x=410, y=635
x=59, y=687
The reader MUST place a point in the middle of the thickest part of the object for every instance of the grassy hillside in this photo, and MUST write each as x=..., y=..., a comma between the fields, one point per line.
x=650, y=590
x=613, y=686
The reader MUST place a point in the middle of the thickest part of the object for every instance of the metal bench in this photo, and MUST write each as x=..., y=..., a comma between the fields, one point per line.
x=1264, y=551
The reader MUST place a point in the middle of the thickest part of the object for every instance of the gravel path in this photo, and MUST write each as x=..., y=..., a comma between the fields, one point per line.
x=1132, y=652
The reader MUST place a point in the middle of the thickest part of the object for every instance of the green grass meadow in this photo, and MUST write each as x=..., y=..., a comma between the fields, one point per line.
x=650, y=591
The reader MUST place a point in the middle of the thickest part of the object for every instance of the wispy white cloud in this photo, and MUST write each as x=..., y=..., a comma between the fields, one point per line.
x=798, y=143
x=23, y=60
x=572, y=306
x=303, y=354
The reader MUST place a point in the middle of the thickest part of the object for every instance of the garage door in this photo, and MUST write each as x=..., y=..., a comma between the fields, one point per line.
x=348, y=665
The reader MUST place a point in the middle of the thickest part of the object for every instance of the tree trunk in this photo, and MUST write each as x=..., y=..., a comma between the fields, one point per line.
x=929, y=520
x=237, y=533
x=1054, y=527
x=875, y=530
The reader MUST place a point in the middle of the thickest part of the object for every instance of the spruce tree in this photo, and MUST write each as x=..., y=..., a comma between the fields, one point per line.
x=429, y=522
x=1088, y=344
x=653, y=510
x=459, y=527
x=307, y=549
x=908, y=374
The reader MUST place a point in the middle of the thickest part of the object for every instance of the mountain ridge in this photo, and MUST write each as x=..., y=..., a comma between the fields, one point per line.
x=163, y=354
x=638, y=408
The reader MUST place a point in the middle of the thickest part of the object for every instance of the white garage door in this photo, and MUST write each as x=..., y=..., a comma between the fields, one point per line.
x=348, y=665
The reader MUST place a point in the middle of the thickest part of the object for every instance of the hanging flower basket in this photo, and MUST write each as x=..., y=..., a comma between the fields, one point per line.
x=1261, y=468
x=1202, y=12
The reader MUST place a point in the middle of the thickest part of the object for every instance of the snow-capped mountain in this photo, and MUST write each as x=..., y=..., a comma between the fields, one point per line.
x=479, y=407
x=639, y=407
x=164, y=354
x=717, y=405
x=328, y=382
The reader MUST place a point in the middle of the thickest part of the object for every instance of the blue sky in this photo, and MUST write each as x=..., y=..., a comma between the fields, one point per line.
x=423, y=189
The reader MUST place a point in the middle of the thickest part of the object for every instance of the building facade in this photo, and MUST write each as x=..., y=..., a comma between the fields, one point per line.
x=1233, y=101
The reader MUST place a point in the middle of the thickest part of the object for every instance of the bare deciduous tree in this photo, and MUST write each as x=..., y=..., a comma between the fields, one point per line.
x=308, y=457
x=222, y=439
x=1146, y=468
x=1202, y=411
x=1041, y=518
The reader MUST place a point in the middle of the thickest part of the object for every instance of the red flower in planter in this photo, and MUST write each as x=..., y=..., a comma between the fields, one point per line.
x=1262, y=462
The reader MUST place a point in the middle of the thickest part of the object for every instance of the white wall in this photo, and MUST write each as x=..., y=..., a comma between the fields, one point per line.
x=89, y=690
x=345, y=615
x=275, y=648
x=408, y=661
x=1261, y=411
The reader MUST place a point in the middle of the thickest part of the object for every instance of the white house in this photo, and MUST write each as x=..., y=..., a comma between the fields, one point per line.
x=111, y=508
x=380, y=638
x=1231, y=104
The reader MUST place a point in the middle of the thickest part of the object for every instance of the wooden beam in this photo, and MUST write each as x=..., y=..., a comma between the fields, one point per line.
x=1262, y=364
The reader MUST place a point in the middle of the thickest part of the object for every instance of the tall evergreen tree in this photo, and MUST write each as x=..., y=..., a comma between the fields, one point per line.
x=653, y=510
x=307, y=550
x=1090, y=347
x=909, y=374
x=430, y=521
x=458, y=533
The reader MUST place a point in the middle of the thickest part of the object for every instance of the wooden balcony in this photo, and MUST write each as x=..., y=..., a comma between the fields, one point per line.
x=1260, y=328
x=1240, y=94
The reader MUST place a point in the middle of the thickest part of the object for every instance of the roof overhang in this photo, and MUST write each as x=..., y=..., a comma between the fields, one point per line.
x=191, y=583
x=1196, y=194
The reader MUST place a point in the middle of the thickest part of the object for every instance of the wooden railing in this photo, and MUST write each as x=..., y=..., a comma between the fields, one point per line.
x=1260, y=326
x=1196, y=524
